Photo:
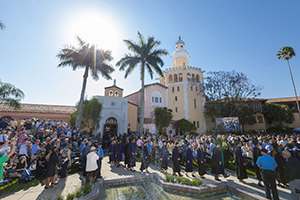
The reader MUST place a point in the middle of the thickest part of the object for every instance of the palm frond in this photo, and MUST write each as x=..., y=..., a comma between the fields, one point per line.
x=2, y=26
x=149, y=70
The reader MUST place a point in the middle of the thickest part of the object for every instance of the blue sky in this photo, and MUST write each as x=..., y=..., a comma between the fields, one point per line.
x=219, y=35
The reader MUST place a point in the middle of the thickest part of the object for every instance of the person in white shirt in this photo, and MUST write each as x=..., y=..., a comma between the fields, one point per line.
x=91, y=165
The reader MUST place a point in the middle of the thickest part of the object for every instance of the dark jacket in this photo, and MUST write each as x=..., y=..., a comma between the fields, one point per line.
x=292, y=167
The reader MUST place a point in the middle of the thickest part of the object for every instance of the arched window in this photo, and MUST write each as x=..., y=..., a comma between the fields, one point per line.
x=111, y=120
x=175, y=78
x=180, y=77
x=197, y=78
x=193, y=78
x=188, y=77
x=156, y=98
x=170, y=79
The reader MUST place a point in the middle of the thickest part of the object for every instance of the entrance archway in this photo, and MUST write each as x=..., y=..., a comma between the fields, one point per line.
x=110, y=130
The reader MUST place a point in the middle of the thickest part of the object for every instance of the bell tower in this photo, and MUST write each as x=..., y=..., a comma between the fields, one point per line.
x=113, y=90
x=180, y=55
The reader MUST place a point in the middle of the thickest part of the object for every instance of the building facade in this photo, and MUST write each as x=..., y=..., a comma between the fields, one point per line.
x=183, y=94
x=118, y=115
x=155, y=96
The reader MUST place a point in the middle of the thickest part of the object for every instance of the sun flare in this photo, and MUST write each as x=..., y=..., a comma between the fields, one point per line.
x=96, y=29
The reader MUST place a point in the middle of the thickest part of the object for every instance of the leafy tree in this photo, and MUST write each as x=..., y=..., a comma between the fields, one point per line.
x=91, y=59
x=287, y=53
x=90, y=114
x=10, y=95
x=182, y=126
x=147, y=58
x=226, y=92
x=245, y=115
x=278, y=114
x=162, y=117
x=2, y=26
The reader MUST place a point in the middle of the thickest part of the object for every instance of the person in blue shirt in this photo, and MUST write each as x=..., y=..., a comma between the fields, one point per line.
x=268, y=164
x=35, y=150
x=100, y=153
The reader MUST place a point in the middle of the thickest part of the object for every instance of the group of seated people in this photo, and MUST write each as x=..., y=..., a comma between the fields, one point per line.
x=30, y=147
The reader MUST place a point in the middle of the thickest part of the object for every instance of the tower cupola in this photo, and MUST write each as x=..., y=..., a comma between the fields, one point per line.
x=180, y=55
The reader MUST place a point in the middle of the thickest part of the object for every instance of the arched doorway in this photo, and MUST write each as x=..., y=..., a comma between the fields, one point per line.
x=110, y=130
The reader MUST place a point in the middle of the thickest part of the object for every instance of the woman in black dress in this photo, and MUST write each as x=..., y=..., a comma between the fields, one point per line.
x=51, y=160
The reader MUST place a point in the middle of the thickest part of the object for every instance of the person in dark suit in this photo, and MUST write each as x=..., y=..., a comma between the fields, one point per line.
x=292, y=174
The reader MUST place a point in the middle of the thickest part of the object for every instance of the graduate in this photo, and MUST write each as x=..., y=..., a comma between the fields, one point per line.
x=126, y=154
x=132, y=153
x=120, y=152
x=189, y=161
x=241, y=172
x=176, y=160
x=145, y=157
x=201, y=161
x=218, y=163
x=164, y=154
x=112, y=152
x=280, y=166
x=256, y=154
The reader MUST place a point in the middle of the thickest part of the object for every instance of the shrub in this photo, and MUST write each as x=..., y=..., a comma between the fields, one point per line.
x=194, y=182
x=172, y=179
x=168, y=177
x=78, y=193
x=70, y=196
x=179, y=179
x=186, y=181
x=87, y=188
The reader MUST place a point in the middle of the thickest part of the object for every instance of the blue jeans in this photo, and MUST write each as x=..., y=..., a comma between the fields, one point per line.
x=64, y=170
x=99, y=162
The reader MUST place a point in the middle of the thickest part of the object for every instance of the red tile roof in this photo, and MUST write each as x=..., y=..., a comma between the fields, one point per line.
x=286, y=99
x=39, y=108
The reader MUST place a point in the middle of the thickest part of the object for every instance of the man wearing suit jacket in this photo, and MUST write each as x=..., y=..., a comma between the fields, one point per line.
x=292, y=174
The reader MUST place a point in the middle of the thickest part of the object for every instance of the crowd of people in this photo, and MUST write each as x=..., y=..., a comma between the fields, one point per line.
x=49, y=147
x=272, y=156
x=33, y=148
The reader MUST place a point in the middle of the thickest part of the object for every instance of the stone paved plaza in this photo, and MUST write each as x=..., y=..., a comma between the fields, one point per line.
x=74, y=181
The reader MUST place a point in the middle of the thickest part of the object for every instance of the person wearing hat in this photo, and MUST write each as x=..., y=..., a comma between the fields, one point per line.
x=268, y=165
x=91, y=165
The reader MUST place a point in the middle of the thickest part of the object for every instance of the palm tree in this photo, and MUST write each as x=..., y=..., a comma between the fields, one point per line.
x=2, y=26
x=10, y=95
x=91, y=59
x=287, y=53
x=148, y=58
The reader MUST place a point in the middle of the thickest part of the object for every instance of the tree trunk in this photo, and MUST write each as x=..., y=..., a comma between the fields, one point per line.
x=79, y=111
x=294, y=88
x=142, y=104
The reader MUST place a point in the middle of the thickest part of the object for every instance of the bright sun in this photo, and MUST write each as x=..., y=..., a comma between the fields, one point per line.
x=96, y=29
